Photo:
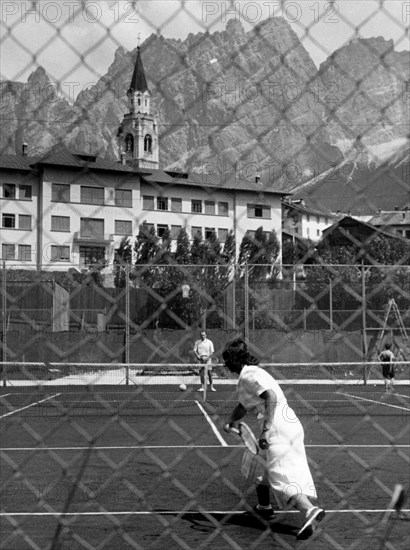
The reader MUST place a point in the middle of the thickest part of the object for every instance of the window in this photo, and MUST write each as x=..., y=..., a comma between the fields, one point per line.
x=8, y=221
x=318, y=232
x=123, y=227
x=60, y=192
x=60, y=253
x=258, y=211
x=147, y=202
x=9, y=191
x=175, y=231
x=222, y=234
x=223, y=209
x=92, y=195
x=92, y=255
x=209, y=207
x=161, y=229
x=317, y=219
x=209, y=231
x=162, y=203
x=196, y=206
x=24, y=221
x=60, y=223
x=8, y=251
x=176, y=205
x=148, y=143
x=307, y=217
x=92, y=228
x=24, y=252
x=25, y=192
x=129, y=143
x=123, y=197
x=196, y=232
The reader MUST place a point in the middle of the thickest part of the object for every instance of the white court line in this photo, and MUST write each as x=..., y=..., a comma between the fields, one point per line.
x=181, y=512
x=214, y=428
x=377, y=402
x=28, y=406
x=4, y=395
x=401, y=395
x=143, y=447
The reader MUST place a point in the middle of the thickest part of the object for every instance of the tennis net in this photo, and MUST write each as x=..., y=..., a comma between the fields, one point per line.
x=155, y=389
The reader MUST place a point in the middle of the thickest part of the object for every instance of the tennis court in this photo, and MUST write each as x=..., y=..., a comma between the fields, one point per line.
x=117, y=457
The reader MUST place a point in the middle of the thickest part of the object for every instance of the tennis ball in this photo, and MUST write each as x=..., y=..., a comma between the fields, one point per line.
x=182, y=387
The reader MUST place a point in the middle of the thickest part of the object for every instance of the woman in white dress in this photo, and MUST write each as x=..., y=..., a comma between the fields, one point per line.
x=281, y=435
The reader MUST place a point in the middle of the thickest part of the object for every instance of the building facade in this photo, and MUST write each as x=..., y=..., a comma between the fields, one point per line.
x=71, y=210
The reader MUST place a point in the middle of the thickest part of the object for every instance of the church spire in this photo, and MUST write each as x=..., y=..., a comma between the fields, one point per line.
x=138, y=133
x=138, y=80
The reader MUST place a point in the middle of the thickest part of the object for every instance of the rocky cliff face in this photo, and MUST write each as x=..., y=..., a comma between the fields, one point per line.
x=231, y=102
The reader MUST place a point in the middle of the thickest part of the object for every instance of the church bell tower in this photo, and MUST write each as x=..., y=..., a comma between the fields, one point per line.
x=138, y=133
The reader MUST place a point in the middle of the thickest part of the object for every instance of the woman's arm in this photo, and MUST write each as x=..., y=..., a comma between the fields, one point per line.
x=238, y=413
x=270, y=400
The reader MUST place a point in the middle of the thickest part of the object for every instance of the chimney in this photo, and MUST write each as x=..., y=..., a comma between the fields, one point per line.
x=24, y=148
x=380, y=211
x=257, y=178
x=396, y=208
x=123, y=156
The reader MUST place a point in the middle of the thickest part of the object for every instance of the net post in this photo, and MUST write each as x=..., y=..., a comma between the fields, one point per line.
x=205, y=379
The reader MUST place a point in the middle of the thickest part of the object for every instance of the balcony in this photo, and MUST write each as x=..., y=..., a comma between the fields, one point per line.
x=85, y=239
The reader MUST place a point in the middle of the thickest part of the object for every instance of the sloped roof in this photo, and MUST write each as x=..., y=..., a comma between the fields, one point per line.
x=348, y=221
x=306, y=209
x=60, y=155
x=400, y=217
x=207, y=180
x=16, y=162
x=138, y=80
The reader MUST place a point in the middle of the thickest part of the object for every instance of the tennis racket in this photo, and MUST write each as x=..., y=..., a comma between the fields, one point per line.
x=396, y=504
x=247, y=436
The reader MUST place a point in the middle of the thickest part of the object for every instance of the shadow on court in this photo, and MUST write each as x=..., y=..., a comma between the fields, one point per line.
x=207, y=521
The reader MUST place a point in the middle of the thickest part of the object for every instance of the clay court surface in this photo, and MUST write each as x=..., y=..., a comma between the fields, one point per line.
x=150, y=467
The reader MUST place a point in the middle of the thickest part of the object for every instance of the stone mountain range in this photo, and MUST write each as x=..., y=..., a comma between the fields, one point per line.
x=233, y=103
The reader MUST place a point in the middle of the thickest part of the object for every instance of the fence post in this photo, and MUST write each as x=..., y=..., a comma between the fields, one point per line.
x=246, y=328
x=330, y=305
x=363, y=272
x=4, y=315
x=127, y=325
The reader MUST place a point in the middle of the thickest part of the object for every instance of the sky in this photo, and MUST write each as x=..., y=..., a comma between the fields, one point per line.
x=75, y=40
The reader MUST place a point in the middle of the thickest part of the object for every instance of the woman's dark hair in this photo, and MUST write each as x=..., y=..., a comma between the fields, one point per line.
x=237, y=352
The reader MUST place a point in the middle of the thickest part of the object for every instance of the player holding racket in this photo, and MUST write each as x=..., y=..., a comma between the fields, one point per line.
x=203, y=350
x=281, y=435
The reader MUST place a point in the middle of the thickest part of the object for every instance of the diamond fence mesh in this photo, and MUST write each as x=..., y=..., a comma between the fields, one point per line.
x=279, y=216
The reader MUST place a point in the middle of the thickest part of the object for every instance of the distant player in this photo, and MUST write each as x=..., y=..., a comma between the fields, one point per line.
x=386, y=357
x=203, y=350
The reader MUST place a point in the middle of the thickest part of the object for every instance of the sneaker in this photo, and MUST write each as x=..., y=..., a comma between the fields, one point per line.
x=212, y=388
x=201, y=389
x=265, y=513
x=314, y=516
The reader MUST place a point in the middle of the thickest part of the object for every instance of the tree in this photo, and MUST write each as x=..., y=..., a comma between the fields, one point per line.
x=259, y=251
x=122, y=262
x=146, y=252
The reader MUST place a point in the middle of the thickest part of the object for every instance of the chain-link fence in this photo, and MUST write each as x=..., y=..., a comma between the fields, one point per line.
x=247, y=180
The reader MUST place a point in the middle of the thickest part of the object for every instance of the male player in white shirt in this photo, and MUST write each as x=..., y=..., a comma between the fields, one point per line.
x=203, y=350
